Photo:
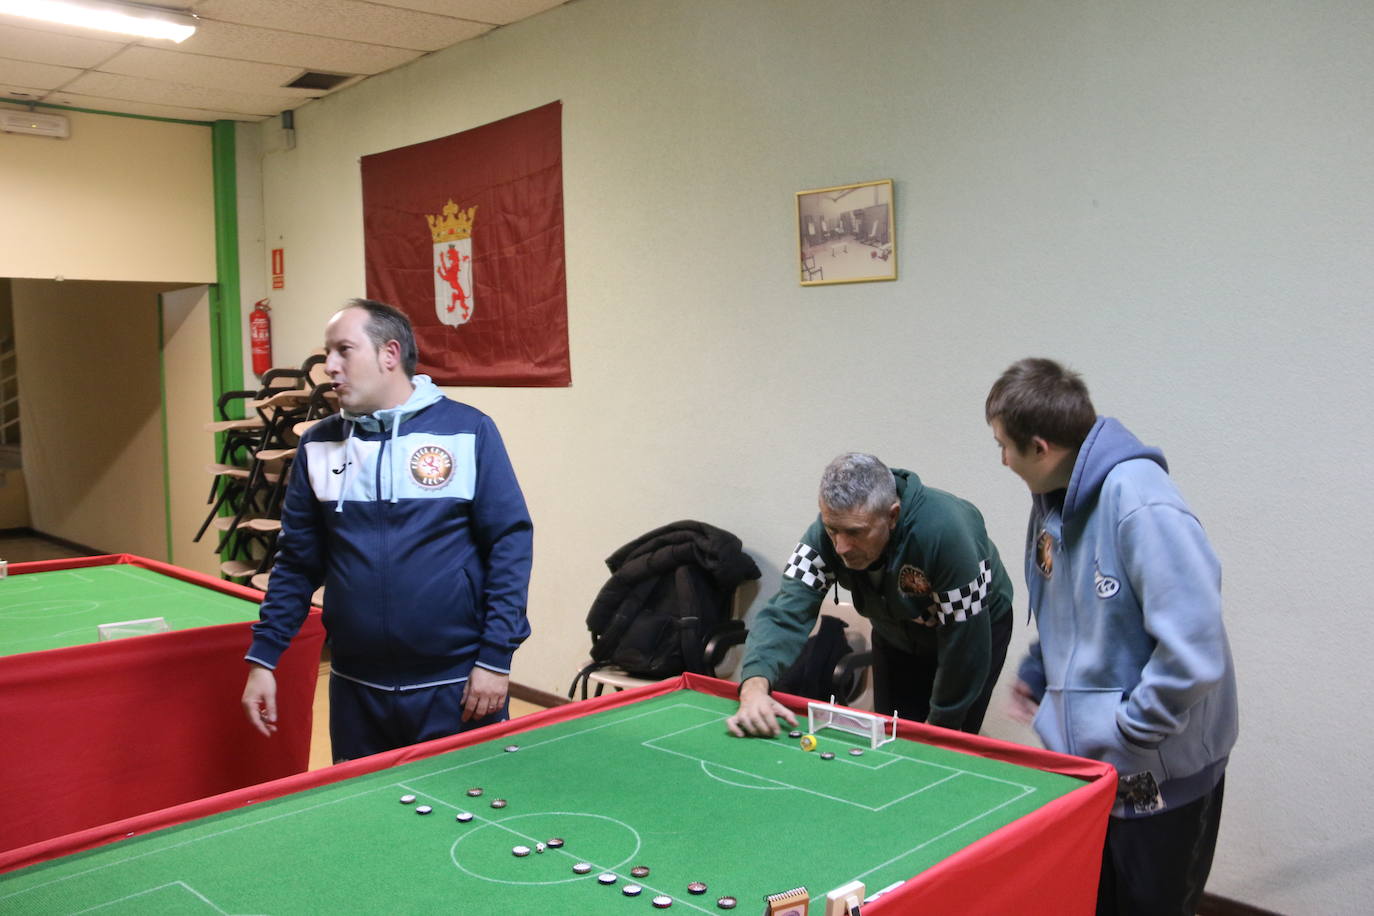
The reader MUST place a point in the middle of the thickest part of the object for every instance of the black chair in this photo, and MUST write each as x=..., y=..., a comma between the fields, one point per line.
x=719, y=642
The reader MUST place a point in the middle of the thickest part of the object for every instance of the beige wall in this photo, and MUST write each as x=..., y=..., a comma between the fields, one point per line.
x=14, y=499
x=124, y=199
x=121, y=199
x=91, y=406
x=189, y=406
x=1172, y=196
x=14, y=496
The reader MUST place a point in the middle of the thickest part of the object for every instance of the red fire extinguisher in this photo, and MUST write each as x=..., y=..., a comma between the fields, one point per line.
x=260, y=334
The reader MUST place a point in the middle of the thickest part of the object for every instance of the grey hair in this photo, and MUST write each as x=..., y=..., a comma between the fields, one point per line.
x=858, y=481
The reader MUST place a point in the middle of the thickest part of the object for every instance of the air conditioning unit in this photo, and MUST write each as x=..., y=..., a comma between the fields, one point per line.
x=31, y=122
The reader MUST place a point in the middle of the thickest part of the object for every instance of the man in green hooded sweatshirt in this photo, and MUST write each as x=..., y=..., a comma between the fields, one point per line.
x=919, y=565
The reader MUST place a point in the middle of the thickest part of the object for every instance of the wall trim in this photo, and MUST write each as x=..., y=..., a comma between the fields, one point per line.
x=536, y=696
x=26, y=532
x=1212, y=905
x=25, y=103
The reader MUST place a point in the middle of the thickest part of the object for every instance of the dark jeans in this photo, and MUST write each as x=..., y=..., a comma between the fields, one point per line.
x=904, y=680
x=364, y=720
x=1158, y=865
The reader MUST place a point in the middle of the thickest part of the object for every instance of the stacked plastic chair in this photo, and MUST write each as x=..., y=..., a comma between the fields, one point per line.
x=249, y=479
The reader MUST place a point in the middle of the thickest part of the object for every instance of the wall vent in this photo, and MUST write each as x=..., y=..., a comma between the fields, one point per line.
x=32, y=122
x=322, y=81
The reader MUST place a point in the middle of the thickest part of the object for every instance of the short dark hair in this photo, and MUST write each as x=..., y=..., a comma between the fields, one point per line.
x=1039, y=397
x=387, y=323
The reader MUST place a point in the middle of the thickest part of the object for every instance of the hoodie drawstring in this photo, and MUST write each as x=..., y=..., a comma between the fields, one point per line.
x=343, y=484
x=395, y=471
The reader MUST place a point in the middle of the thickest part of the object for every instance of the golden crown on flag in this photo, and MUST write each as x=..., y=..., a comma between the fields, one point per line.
x=455, y=224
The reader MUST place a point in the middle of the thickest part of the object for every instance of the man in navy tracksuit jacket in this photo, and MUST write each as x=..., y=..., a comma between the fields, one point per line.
x=1132, y=666
x=406, y=508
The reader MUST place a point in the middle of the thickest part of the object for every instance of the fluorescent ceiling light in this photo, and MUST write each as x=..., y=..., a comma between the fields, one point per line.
x=124, y=18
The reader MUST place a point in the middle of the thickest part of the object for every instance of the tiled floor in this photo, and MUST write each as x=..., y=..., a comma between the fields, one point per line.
x=26, y=549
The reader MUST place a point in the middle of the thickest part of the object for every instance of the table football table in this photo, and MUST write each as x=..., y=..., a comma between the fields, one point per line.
x=563, y=811
x=96, y=731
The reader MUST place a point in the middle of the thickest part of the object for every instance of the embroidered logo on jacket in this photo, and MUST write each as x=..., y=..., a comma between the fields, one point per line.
x=1044, y=554
x=1105, y=586
x=913, y=582
x=806, y=564
x=431, y=467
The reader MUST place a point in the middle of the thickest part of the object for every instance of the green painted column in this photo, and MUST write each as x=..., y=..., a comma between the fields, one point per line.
x=226, y=321
x=226, y=335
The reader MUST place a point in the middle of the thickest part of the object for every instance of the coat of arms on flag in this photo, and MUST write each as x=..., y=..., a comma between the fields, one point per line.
x=464, y=234
x=453, y=286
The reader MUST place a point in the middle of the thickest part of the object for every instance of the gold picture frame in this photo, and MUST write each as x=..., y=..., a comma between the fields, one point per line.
x=846, y=234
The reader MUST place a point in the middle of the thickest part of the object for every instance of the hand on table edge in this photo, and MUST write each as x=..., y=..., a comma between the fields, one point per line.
x=758, y=712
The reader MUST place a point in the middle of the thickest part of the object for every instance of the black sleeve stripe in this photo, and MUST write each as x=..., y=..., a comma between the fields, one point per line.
x=968, y=600
x=806, y=565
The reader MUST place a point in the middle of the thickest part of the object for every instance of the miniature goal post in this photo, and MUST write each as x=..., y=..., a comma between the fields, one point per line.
x=864, y=724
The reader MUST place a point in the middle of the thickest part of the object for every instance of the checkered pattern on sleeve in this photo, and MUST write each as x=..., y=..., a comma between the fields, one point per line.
x=966, y=601
x=806, y=564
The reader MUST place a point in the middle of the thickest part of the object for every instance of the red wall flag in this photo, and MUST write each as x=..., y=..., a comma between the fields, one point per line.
x=465, y=235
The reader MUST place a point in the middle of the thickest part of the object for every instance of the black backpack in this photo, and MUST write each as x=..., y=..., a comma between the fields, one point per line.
x=670, y=593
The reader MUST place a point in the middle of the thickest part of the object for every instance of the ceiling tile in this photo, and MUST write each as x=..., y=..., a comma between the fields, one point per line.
x=115, y=86
x=350, y=20
x=306, y=52
x=148, y=109
x=242, y=53
x=43, y=76
x=43, y=47
x=13, y=94
x=198, y=70
x=496, y=12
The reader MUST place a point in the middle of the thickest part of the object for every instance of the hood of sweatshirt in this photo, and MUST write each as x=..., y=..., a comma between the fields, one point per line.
x=1107, y=444
x=424, y=393
x=911, y=493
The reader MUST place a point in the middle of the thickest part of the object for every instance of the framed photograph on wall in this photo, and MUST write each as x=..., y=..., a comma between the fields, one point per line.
x=845, y=233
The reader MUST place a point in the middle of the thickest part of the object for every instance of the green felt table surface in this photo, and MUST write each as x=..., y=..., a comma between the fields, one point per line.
x=657, y=783
x=50, y=610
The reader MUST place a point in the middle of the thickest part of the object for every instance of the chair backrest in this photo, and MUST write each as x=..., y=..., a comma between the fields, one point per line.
x=315, y=371
x=860, y=636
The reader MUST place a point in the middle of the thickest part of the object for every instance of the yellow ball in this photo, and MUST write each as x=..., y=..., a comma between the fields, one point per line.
x=808, y=742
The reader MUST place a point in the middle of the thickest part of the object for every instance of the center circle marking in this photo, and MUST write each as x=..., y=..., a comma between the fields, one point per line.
x=504, y=833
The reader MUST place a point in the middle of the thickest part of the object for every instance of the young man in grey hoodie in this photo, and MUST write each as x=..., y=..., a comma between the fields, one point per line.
x=1132, y=666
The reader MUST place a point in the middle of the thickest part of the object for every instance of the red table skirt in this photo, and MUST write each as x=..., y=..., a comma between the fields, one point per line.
x=1045, y=863
x=102, y=732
